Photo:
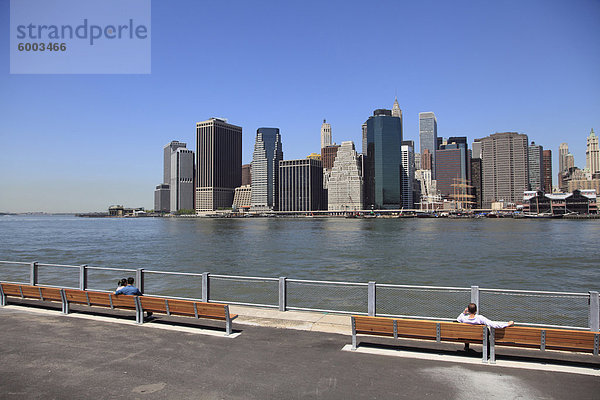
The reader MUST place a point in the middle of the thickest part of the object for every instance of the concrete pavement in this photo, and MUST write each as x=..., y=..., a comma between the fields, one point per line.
x=47, y=355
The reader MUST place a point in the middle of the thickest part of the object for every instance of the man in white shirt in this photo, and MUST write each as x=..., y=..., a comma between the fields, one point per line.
x=470, y=316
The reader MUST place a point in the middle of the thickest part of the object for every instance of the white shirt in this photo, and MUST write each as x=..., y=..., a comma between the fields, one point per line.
x=480, y=320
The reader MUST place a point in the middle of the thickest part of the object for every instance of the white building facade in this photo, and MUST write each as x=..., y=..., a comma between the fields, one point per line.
x=345, y=183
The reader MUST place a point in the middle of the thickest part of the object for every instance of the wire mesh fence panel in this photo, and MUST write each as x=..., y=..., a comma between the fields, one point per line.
x=103, y=279
x=173, y=285
x=327, y=296
x=52, y=275
x=247, y=291
x=15, y=272
x=421, y=302
x=535, y=308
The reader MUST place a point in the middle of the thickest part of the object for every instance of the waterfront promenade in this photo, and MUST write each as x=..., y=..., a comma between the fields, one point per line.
x=97, y=355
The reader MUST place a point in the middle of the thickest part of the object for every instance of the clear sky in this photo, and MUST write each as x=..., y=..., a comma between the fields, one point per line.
x=83, y=142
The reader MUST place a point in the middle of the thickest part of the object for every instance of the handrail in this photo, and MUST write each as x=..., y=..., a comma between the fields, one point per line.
x=285, y=295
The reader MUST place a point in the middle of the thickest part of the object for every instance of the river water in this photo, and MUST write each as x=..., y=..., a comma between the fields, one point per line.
x=557, y=255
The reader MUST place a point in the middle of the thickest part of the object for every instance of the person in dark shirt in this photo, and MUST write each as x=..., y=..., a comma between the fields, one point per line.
x=129, y=289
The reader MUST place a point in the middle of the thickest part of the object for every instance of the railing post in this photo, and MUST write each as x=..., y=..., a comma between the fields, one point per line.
x=139, y=277
x=475, y=295
x=205, y=284
x=371, y=298
x=83, y=277
x=282, y=293
x=594, y=319
x=33, y=273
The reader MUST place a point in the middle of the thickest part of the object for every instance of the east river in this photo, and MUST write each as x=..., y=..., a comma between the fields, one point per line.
x=556, y=255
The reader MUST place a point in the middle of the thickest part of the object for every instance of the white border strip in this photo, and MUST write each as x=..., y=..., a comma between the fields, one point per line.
x=467, y=360
x=116, y=320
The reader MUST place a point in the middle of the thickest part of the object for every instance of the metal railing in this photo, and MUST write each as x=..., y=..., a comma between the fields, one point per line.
x=527, y=307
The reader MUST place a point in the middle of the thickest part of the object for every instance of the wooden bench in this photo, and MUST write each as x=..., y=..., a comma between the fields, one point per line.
x=439, y=331
x=544, y=339
x=188, y=308
x=139, y=304
x=102, y=299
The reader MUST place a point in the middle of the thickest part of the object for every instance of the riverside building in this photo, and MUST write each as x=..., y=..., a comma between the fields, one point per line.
x=345, y=184
x=428, y=138
x=504, y=167
x=408, y=173
x=265, y=169
x=536, y=166
x=177, y=190
x=182, y=180
x=547, y=171
x=218, y=162
x=592, y=154
x=325, y=134
x=301, y=185
x=383, y=161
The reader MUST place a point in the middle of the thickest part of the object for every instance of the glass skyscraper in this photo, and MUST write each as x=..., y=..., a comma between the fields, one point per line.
x=383, y=162
x=428, y=136
x=265, y=169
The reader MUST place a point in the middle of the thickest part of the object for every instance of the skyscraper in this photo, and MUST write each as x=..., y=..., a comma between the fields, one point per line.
x=168, y=149
x=504, y=167
x=177, y=190
x=563, y=150
x=364, y=139
x=301, y=185
x=246, y=174
x=325, y=134
x=182, y=180
x=536, y=166
x=265, y=169
x=428, y=136
x=592, y=154
x=328, y=155
x=219, y=163
x=453, y=168
x=547, y=174
x=408, y=173
x=383, y=162
x=345, y=184
x=396, y=111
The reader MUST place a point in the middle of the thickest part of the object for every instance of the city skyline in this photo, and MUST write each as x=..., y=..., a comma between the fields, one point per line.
x=74, y=138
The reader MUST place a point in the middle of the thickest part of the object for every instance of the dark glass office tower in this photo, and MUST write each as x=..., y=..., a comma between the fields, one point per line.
x=218, y=163
x=383, y=163
x=265, y=169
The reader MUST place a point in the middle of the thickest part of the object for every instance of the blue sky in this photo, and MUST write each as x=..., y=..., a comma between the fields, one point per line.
x=84, y=142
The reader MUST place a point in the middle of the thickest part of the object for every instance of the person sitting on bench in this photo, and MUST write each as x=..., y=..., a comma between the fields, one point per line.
x=129, y=289
x=470, y=316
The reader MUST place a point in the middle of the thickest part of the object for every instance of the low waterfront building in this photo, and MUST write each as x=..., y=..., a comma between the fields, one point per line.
x=578, y=201
x=345, y=184
x=242, y=198
x=162, y=198
x=120, y=211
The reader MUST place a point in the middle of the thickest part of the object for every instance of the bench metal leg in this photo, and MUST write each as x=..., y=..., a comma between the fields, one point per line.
x=65, y=302
x=492, y=346
x=485, y=344
x=353, y=334
x=2, y=297
x=139, y=311
x=227, y=321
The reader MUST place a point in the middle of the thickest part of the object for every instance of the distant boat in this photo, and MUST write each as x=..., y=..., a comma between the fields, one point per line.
x=541, y=215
